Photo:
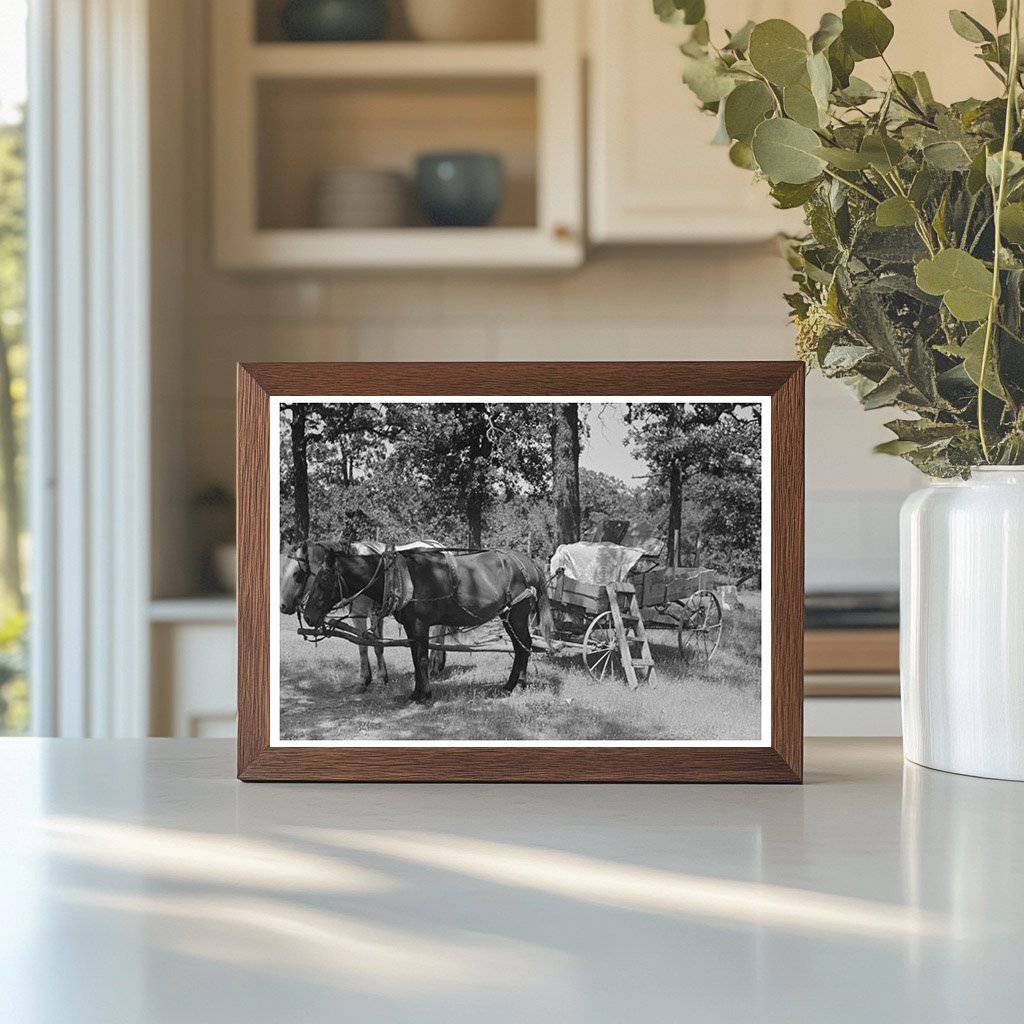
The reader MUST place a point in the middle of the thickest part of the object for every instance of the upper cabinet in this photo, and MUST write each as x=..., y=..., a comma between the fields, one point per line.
x=654, y=176
x=316, y=144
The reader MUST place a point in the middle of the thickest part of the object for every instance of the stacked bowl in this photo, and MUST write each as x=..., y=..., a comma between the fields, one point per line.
x=362, y=197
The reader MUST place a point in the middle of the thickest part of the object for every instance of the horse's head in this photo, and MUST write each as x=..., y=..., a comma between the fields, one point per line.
x=339, y=575
x=295, y=576
x=323, y=590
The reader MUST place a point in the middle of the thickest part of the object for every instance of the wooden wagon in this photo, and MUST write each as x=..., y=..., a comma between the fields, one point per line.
x=682, y=599
x=604, y=623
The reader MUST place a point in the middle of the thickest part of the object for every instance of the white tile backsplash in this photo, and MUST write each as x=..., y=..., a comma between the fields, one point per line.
x=715, y=303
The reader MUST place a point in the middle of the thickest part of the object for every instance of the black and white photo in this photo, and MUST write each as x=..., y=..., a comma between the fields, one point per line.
x=519, y=571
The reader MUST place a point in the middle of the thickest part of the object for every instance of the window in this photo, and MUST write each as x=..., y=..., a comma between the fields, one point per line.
x=14, y=691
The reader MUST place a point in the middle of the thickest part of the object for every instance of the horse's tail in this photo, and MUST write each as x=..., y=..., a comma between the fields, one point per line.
x=547, y=622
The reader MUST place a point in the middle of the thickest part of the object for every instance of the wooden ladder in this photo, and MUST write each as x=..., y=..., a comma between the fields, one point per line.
x=630, y=663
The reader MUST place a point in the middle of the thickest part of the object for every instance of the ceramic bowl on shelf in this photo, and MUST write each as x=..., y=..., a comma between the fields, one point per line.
x=334, y=21
x=362, y=197
x=470, y=20
x=460, y=189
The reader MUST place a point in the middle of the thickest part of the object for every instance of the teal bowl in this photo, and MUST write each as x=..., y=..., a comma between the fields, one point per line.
x=334, y=21
x=460, y=190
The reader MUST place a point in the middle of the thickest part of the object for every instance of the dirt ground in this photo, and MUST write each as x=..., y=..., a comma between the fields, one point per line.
x=320, y=698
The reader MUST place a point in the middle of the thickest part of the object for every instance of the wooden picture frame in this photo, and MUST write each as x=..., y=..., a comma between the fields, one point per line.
x=779, y=759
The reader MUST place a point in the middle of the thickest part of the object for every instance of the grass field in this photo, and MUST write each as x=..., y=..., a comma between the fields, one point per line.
x=320, y=697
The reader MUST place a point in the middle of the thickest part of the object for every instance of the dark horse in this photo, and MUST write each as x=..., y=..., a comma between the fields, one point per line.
x=436, y=588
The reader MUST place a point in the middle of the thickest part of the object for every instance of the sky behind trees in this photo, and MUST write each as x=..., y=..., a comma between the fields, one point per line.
x=529, y=476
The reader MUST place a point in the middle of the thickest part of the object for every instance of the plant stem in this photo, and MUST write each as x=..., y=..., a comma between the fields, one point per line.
x=1011, y=109
x=853, y=185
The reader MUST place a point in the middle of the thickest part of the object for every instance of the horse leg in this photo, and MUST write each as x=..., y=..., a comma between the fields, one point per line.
x=517, y=625
x=359, y=621
x=378, y=630
x=418, y=638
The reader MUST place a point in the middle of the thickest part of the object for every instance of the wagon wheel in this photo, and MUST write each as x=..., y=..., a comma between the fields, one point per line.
x=601, y=652
x=700, y=628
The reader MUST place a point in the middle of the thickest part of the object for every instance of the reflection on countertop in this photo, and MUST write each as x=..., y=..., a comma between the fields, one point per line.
x=144, y=883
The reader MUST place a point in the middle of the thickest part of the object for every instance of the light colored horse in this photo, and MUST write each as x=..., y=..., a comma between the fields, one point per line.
x=302, y=565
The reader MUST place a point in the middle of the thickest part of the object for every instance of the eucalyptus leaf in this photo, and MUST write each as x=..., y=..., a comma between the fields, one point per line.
x=993, y=167
x=924, y=87
x=690, y=12
x=844, y=159
x=745, y=108
x=972, y=351
x=866, y=29
x=883, y=152
x=905, y=84
x=739, y=41
x=857, y=91
x=787, y=152
x=883, y=395
x=976, y=176
x=788, y=196
x=969, y=28
x=819, y=75
x=779, y=51
x=922, y=185
x=721, y=136
x=741, y=155
x=1012, y=223
x=801, y=106
x=963, y=281
x=707, y=78
x=897, y=211
x=947, y=156
x=701, y=34
x=829, y=30
x=840, y=60
x=895, y=447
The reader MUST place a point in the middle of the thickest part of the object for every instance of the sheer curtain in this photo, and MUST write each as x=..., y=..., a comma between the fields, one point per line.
x=88, y=335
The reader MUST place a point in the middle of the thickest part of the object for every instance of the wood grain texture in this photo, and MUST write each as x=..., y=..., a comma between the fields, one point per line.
x=780, y=762
x=852, y=650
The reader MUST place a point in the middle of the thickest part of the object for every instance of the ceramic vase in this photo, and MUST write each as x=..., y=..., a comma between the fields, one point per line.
x=962, y=624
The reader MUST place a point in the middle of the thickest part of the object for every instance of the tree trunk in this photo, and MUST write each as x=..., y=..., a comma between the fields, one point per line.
x=301, y=469
x=11, y=490
x=565, y=472
x=481, y=451
x=675, y=514
x=475, y=520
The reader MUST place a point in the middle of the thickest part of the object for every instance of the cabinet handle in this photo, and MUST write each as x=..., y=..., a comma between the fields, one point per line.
x=562, y=232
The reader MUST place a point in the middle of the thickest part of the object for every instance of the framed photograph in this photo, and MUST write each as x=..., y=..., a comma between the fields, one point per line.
x=520, y=571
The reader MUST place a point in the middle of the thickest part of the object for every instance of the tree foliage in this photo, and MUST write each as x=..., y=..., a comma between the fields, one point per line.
x=485, y=475
x=902, y=291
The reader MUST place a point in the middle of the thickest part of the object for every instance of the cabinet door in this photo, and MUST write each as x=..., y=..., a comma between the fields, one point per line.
x=654, y=176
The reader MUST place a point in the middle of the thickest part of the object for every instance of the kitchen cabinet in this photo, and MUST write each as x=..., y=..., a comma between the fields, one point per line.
x=287, y=114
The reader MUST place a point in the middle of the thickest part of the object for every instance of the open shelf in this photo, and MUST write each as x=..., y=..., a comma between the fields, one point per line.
x=388, y=60
x=309, y=127
x=286, y=114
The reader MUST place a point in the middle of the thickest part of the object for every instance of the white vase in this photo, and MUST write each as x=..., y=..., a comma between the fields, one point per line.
x=962, y=624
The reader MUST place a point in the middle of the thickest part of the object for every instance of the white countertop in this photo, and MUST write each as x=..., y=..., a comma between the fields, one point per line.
x=140, y=882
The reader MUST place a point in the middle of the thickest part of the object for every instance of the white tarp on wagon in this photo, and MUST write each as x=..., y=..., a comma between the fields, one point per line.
x=598, y=562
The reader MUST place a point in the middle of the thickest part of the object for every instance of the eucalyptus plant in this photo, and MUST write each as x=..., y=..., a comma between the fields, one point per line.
x=910, y=278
